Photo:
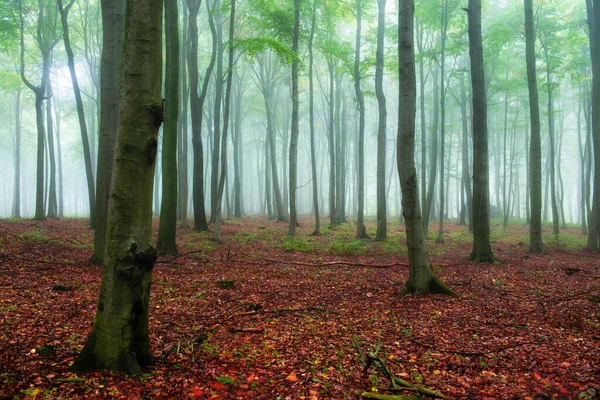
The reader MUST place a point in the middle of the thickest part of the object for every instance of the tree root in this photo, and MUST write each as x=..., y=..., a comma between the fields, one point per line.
x=378, y=396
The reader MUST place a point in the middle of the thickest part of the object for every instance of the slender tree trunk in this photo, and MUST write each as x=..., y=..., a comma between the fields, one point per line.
x=119, y=340
x=182, y=127
x=52, y=201
x=381, y=126
x=216, y=149
x=535, y=150
x=466, y=169
x=433, y=151
x=444, y=28
x=64, y=12
x=196, y=108
x=421, y=278
x=295, y=125
x=361, y=231
x=330, y=141
x=167, y=228
x=582, y=180
x=311, y=114
x=223, y=173
x=482, y=251
x=16, y=207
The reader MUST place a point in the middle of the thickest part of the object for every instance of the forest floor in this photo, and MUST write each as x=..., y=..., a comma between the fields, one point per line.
x=278, y=318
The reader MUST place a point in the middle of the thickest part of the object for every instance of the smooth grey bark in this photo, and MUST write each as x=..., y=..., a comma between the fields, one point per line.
x=421, y=278
x=311, y=115
x=238, y=160
x=593, y=14
x=182, y=127
x=433, y=158
x=331, y=142
x=466, y=169
x=119, y=340
x=167, y=227
x=87, y=158
x=381, y=233
x=197, y=106
x=582, y=180
x=16, y=206
x=223, y=135
x=482, y=251
x=443, y=37
x=52, y=211
x=216, y=117
x=535, y=148
x=61, y=199
x=361, y=231
x=110, y=83
x=295, y=125
x=46, y=38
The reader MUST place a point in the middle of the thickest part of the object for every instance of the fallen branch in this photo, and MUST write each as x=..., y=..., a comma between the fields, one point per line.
x=197, y=340
x=324, y=264
x=472, y=353
x=378, y=396
x=247, y=330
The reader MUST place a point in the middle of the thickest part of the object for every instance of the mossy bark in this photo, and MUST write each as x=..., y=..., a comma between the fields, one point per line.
x=119, y=339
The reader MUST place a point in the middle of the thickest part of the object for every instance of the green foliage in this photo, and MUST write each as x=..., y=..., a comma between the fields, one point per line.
x=255, y=46
x=299, y=243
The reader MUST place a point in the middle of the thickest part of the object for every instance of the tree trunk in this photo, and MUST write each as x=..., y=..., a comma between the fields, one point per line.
x=182, y=128
x=381, y=126
x=593, y=13
x=64, y=12
x=433, y=151
x=52, y=202
x=196, y=108
x=16, y=207
x=535, y=150
x=295, y=125
x=110, y=81
x=331, y=143
x=167, y=227
x=444, y=28
x=466, y=169
x=216, y=149
x=119, y=339
x=482, y=251
x=421, y=278
x=361, y=232
x=311, y=115
x=223, y=173
x=582, y=180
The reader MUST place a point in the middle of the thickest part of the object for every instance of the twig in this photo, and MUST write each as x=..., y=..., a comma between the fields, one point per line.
x=247, y=330
x=325, y=264
x=472, y=353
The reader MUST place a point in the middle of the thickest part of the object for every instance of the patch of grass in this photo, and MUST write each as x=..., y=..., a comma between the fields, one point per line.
x=565, y=241
x=35, y=235
x=299, y=243
x=393, y=246
x=226, y=380
x=348, y=247
x=226, y=284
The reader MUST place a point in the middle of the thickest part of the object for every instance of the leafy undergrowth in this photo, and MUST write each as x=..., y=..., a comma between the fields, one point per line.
x=274, y=318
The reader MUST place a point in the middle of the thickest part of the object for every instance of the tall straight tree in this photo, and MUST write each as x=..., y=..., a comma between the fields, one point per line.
x=229, y=80
x=46, y=37
x=197, y=105
x=443, y=37
x=119, y=339
x=593, y=14
x=381, y=233
x=216, y=126
x=52, y=201
x=482, y=251
x=421, y=279
x=168, y=209
x=535, y=148
x=87, y=158
x=361, y=231
x=16, y=207
x=110, y=84
x=311, y=115
x=295, y=124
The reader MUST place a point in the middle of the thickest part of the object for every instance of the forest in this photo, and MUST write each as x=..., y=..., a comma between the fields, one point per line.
x=300, y=199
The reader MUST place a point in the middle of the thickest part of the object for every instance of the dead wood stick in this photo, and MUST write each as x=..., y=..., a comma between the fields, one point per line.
x=275, y=311
x=378, y=363
x=325, y=264
x=473, y=353
x=378, y=396
x=170, y=260
x=248, y=330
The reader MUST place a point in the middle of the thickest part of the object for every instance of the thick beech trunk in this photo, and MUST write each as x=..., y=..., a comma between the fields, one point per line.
x=119, y=339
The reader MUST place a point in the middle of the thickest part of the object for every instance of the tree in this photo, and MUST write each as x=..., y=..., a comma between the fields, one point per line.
x=482, y=251
x=46, y=37
x=295, y=124
x=110, y=84
x=197, y=106
x=16, y=208
x=421, y=279
x=64, y=13
x=593, y=14
x=535, y=150
x=168, y=210
x=361, y=231
x=119, y=339
x=381, y=126
x=311, y=115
